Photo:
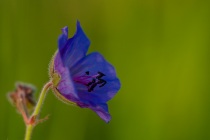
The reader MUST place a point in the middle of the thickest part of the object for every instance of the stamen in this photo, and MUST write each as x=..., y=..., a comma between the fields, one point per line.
x=91, y=81
x=87, y=72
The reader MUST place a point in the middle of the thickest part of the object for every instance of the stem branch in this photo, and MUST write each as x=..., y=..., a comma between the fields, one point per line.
x=33, y=117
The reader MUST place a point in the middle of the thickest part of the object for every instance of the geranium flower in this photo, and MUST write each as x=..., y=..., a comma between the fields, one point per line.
x=87, y=81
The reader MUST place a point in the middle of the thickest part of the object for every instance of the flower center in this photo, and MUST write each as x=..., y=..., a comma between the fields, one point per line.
x=91, y=81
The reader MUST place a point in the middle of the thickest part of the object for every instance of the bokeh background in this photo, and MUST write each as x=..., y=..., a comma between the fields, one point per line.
x=161, y=51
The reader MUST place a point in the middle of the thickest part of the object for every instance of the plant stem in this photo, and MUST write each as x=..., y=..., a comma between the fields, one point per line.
x=33, y=117
x=29, y=129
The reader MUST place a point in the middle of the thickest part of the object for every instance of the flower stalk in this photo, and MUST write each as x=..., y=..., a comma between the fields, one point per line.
x=33, y=118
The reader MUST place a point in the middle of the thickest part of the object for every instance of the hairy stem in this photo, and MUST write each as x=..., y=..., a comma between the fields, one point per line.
x=33, y=117
x=29, y=129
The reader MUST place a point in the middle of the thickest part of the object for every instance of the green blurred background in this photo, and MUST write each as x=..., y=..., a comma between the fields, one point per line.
x=161, y=51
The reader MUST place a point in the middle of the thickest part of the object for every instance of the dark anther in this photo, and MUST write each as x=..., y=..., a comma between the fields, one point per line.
x=102, y=82
x=92, y=87
x=92, y=82
x=87, y=72
x=100, y=75
x=96, y=81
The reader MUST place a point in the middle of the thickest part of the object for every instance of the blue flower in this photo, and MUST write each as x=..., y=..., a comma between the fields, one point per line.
x=87, y=81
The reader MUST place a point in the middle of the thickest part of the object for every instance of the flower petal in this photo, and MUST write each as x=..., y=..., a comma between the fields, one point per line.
x=75, y=48
x=101, y=110
x=63, y=38
x=65, y=86
x=95, y=63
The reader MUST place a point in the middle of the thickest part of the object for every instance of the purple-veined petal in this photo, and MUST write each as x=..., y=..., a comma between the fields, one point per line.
x=75, y=48
x=101, y=110
x=66, y=85
x=62, y=40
